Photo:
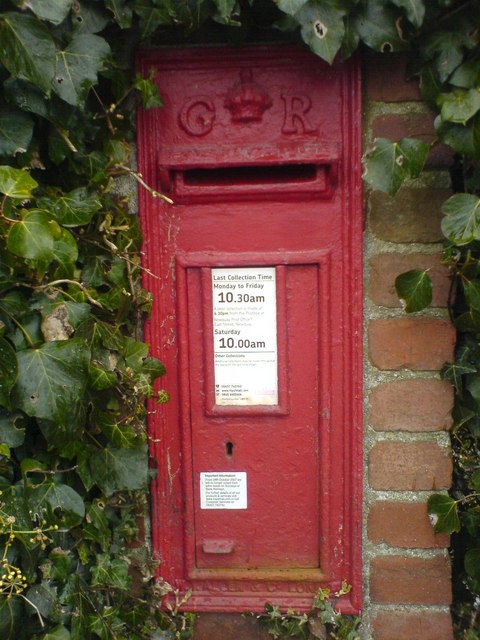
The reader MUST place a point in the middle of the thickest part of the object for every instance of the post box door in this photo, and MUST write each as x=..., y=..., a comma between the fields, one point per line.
x=261, y=510
x=256, y=272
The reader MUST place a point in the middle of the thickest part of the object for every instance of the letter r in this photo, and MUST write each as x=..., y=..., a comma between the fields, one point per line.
x=296, y=109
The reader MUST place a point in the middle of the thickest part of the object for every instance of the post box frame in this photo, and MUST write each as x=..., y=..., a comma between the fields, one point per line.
x=341, y=479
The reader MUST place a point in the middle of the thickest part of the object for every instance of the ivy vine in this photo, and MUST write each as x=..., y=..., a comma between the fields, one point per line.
x=74, y=370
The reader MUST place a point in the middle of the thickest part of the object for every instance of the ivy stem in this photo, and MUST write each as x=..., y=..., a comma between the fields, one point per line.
x=66, y=139
x=466, y=498
x=124, y=257
x=20, y=326
x=35, y=607
x=105, y=111
x=6, y=218
x=96, y=303
x=138, y=177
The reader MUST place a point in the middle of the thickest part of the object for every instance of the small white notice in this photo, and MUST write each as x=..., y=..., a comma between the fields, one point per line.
x=223, y=490
x=245, y=336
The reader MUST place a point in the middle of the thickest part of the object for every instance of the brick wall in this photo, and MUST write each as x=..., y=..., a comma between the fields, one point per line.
x=407, y=406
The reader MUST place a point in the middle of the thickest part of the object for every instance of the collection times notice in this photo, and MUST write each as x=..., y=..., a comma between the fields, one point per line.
x=245, y=336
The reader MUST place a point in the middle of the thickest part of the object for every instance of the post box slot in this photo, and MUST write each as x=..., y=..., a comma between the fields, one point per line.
x=250, y=175
x=232, y=182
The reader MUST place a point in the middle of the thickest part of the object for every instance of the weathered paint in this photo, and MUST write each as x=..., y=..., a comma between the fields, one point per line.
x=259, y=148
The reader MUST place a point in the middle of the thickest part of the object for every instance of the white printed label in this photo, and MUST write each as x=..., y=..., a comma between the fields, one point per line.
x=245, y=336
x=223, y=490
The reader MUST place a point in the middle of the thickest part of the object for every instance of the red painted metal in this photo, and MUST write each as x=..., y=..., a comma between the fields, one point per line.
x=259, y=148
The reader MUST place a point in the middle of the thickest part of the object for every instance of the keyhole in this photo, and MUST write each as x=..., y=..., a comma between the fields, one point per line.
x=229, y=449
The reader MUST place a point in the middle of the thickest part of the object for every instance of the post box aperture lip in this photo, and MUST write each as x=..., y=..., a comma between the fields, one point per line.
x=258, y=492
x=241, y=181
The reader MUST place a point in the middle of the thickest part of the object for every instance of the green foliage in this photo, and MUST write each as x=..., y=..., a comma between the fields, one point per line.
x=322, y=622
x=443, y=512
x=73, y=446
x=391, y=163
x=414, y=288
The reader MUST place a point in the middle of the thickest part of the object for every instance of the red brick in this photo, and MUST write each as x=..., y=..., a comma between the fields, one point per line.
x=412, y=625
x=409, y=466
x=412, y=125
x=226, y=626
x=413, y=215
x=385, y=79
x=411, y=405
x=403, y=524
x=405, y=580
x=419, y=344
x=384, y=268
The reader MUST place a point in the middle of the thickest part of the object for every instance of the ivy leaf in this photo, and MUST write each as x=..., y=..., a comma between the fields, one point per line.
x=475, y=480
x=415, y=289
x=454, y=374
x=16, y=183
x=465, y=76
x=472, y=384
x=4, y=450
x=73, y=209
x=443, y=513
x=322, y=28
x=135, y=353
x=27, y=49
x=121, y=12
x=415, y=10
x=446, y=47
x=225, y=8
x=33, y=236
x=111, y=572
x=106, y=625
x=11, y=618
x=54, y=11
x=377, y=25
x=89, y=18
x=464, y=139
x=471, y=289
x=472, y=563
x=52, y=381
x=115, y=469
x=57, y=633
x=77, y=67
x=101, y=379
x=290, y=6
x=391, y=163
x=121, y=436
x=462, y=218
x=153, y=367
x=15, y=503
x=63, y=505
x=8, y=372
x=65, y=248
x=148, y=92
x=12, y=429
x=96, y=527
x=152, y=17
x=44, y=598
x=459, y=105
x=16, y=130
x=350, y=39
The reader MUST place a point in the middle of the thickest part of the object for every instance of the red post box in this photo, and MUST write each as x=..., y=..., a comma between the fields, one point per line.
x=256, y=276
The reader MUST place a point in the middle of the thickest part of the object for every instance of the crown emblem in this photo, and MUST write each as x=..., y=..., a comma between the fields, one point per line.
x=246, y=100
